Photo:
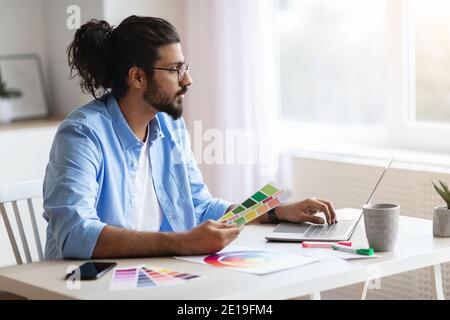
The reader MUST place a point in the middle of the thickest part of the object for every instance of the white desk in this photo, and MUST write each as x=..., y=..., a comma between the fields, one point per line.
x=416, y=249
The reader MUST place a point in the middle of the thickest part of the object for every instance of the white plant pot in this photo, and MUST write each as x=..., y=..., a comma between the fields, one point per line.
x=441, y=222
x=6, y=111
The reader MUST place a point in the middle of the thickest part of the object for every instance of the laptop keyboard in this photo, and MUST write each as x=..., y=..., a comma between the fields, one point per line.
x=336, y=230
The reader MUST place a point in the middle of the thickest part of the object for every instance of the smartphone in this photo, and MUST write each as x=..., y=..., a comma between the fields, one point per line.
x=92, y=270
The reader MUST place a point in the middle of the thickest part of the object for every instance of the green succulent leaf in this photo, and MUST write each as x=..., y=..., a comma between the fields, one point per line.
x=444, y=186
x=443, y=192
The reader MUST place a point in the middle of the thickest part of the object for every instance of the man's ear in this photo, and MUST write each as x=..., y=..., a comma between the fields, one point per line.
x=137, y=78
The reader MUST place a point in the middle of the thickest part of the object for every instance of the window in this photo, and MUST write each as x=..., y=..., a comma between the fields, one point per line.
x=332, y=61
x=432, y=60
x=367, y=66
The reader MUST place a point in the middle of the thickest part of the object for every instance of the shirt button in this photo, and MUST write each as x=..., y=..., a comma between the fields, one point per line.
x=134, y=164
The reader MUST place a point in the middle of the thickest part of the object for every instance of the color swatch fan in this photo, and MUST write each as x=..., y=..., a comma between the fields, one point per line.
x=268, y=197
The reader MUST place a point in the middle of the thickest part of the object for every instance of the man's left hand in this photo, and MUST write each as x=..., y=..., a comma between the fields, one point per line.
x=304, y=211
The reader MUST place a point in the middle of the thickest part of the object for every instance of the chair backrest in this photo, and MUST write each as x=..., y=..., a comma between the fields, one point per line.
x=12, y=194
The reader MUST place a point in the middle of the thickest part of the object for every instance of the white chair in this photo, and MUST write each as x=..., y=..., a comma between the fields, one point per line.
x=14, y=193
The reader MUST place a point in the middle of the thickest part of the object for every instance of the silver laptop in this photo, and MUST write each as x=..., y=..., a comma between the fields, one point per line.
x=347, y=221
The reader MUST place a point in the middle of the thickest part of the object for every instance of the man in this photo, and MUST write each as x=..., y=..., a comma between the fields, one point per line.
x=121, y=180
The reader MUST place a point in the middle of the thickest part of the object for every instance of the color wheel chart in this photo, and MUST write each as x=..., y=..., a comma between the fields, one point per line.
x=267, y=198
x=141, y=277
x=242, y=259
x=251, y=260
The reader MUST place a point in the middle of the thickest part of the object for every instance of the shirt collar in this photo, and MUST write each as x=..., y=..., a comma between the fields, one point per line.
x=155, y=128
x=126, y=136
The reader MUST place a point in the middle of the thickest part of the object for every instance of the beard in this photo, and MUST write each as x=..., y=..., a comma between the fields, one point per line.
x=173, y=106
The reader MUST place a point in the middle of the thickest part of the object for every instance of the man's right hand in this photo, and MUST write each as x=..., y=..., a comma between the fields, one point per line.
x=209, y=237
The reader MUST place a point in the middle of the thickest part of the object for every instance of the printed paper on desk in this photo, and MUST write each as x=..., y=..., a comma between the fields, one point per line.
x=251, y=260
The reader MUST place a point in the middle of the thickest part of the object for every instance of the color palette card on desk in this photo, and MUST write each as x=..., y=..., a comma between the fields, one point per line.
x=268, y=197
x=250, y=260
x=144, y=276
x=164, y=276
x=124, y=278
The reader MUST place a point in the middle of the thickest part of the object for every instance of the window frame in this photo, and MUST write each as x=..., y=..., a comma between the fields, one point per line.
x=408, y=132
x=401, y=130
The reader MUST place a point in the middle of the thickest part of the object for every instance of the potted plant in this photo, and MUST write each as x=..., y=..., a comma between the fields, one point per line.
x=6, y=94
x=441, y=215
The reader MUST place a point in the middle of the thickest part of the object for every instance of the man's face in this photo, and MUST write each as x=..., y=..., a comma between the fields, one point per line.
x=165, y=92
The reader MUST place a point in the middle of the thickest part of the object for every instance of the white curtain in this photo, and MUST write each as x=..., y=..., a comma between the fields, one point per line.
x=232, y=50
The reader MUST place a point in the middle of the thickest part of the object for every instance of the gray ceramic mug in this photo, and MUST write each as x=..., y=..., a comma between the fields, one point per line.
x=381, y=223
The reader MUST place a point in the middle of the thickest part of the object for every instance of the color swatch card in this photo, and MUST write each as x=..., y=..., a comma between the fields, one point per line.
x=257, y=261
x=144, y=281
x=265, y=199
x=139, y=277
x=164, y=276
x=124, y=278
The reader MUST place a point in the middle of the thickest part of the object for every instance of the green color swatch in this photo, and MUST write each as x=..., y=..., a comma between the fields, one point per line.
x=259, y=196
x=248, y=203
x=240, y=221
x=238, y=209
x=269, y=190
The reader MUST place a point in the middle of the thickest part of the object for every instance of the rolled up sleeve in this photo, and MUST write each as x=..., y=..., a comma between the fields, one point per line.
x=71, y=191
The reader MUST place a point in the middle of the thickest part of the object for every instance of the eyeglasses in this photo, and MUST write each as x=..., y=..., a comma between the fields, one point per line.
x=181, y=71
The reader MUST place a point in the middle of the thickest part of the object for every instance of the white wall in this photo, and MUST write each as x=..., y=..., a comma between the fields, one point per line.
x=22, y=29
x=65, y=93
x=117, y=10
x=39, y=26
x=24, y=153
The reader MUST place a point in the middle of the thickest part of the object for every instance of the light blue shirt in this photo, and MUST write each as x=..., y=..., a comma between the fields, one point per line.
x=90, y=178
